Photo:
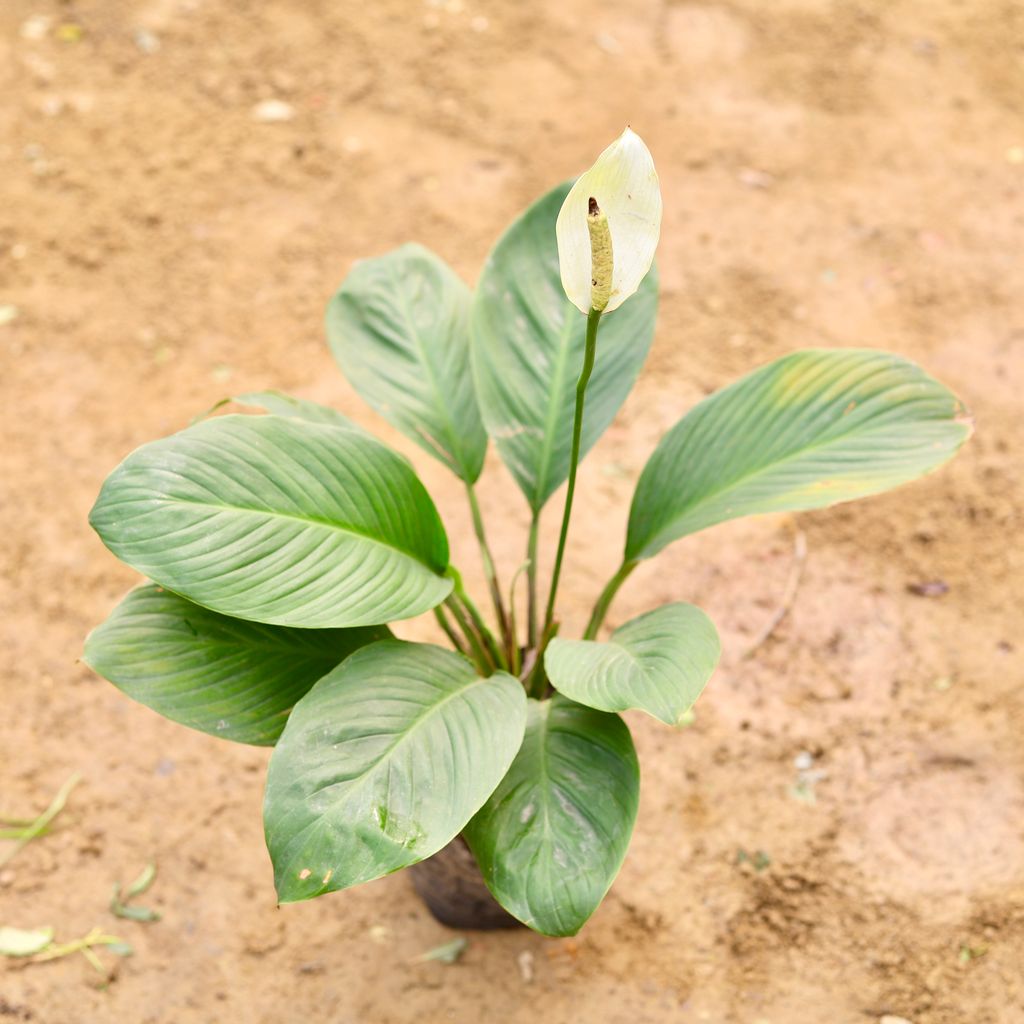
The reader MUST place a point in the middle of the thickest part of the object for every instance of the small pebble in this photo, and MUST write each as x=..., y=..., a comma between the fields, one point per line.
x=890, y=1019
x=51, y=106
x=1015, y=155
x=8, y=314
x=753, y=178
x=929, y=588
x=36, y=27
x=525, y=962
x=273, y=112
x=803, y=761
x=146, y=41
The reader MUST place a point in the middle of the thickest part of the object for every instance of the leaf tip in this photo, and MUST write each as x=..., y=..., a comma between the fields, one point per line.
x=964, y=419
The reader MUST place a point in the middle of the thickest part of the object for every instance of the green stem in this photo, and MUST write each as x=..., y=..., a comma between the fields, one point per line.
x=483, y=632
x=490, y=572
x=605, y=600
x=96, y=937
x=593, y=320
x=536, y=682
x=41, y=824
x=516, y=663
x=457, y=642
x=480, y=655
x=531, y=580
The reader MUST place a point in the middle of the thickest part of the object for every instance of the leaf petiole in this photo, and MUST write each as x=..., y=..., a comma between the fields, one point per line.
x=536, y=680
x=531, y=577
x=606, y=598
x=479, y=654
x=517, y=654
x=508, y=638
x=494, y=652
x=449, y=631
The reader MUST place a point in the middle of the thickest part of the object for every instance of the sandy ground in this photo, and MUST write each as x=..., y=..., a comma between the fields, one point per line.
x=834, y=173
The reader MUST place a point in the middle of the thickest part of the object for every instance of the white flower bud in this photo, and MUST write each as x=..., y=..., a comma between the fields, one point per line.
x=623, y=185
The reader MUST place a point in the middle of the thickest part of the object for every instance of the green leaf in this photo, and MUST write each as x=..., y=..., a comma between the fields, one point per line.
x=658, y=663
x=809, y=430
x=552, y=837
x=278, y=520
x=145, y=879
x=383, y=762
x=40, y=826
x=279, y=404
x=122, y=908
x=234, y=679
x=528, y=343
x=447, y=953
x=131, y=912
x=24, y=942
x=399, y=330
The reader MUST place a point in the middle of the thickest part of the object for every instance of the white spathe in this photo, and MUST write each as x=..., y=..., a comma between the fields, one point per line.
x=625, y=184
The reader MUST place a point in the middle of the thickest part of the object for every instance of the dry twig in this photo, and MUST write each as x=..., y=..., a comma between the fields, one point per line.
x=788, y=595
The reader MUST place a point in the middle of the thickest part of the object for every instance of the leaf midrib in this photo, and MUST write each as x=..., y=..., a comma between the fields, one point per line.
x=353, y=784
x=553, y=407
x=312, y=520
x=437, y=401
x=296, y=651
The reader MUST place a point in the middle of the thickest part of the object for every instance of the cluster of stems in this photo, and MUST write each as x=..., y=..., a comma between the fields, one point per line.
x=459, y=617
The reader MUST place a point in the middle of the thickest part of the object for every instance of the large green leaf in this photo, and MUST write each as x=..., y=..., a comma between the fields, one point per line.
x=383, y=762
x=552, y=837
x=231, y=678
x=278, y=520
x=399, y=329
x=809, y=430
x=658, y=663
x=280, y=404
x=528, y=343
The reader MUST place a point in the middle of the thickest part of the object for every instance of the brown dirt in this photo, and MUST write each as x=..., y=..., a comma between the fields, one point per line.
x=835, y=172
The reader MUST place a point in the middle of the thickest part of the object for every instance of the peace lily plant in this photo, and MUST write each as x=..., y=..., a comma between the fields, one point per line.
x=281, y=545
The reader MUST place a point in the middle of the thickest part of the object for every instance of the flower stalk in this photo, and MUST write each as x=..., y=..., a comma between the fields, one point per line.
x=589, y=354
